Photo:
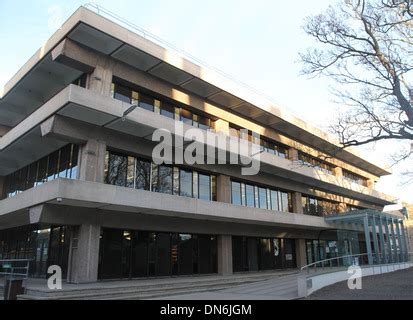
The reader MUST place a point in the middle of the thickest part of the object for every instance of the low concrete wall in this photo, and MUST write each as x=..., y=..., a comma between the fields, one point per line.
x=309, y=284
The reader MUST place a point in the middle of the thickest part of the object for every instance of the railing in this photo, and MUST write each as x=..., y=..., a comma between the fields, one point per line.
x=357, y=260
x=15, y=269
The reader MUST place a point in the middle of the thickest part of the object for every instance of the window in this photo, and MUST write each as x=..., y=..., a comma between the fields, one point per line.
x=146, y=102
x=143, y=175
x=116, y=169
x=122, y=93
x=260, y=197
x=164, y=179
x=263, y=198
x=61, y=163
x=274, y=200
x=186, y=116
x=236, y=192
x=314, y=162
x=355, y=178
x=185, y=183
x=167, y=110
x=204, y=187
x=250, y=198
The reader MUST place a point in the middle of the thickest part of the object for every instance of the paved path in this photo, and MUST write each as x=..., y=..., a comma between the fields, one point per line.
x=396, y=285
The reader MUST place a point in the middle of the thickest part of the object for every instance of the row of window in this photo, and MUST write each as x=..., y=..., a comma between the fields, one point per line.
x=355, y=178
x=315, y=162
x=133, y=254
x=260, y=197
x=164, y=108
x=132, y=172
x=266, y=145
x=319, y=207
x=61, y=163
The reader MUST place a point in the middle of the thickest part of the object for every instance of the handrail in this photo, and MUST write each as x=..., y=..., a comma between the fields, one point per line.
x=377, y=258
x=14, y=273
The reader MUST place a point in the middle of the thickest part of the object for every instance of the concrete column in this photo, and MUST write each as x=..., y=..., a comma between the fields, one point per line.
x=293, y=154
x=367, y=238
x=2, y=187
x=384, y=256
x=84, y=254
x=405, y=240
x=297, y=202
x=386, y=226
x=100, y=80
x=375, y=241
x=400, y=244
x=338, y=172
x=225, y=254
x=300, y=252
x=92, y=161
x=342, y=207
x=393, y=234
x=222, y=126
x=223, y=188
x=370, y=183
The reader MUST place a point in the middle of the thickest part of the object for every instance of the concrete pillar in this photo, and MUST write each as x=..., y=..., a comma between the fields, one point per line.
x=92, y=161
x=293, y=154
x=384, y=256
x=296, y=198
x=393, y=234
x=301, y=253
x=222, y=126
x=367, y=238
x=390, y=253
x=225, y=254
x=2, y=187
x=223, y=188
x=338, y=172
x=84, y=254
x=376, y=250
x=370, y=183
x=405, y=240
x=342, y=207
x=100, y=80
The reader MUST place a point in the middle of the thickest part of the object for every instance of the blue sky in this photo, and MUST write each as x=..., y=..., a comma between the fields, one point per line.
x=257, y=42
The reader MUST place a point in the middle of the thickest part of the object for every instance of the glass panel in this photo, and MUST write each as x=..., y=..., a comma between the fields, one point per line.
x=204, y=123
x=130, y=176
x=274, y=200
x=213, y=188
x=140, y=254
x=143, y=175
x=185, y=183
x=256, y=197
x=122, y=93
x=195, y=187
x=236, y=192
x=167, y=110
x=117, y=170
x=284, y=200
x=185, y=245
x=163, y=254
x=176, y=180
x=52, y=167
x=186, y=116
x=249, y=192
x=146, y=102
x=111, y=254
x=165, y=179
x=204, y=187
x=73, y=162
x=263, y=197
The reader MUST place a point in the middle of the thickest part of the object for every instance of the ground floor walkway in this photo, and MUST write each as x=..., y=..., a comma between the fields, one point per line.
x=396, y=285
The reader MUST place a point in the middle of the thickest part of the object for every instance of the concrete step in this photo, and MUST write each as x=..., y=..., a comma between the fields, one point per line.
x=146, y=290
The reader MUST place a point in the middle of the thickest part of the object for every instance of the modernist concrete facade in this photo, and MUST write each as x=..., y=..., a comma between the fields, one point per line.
x=61, y=116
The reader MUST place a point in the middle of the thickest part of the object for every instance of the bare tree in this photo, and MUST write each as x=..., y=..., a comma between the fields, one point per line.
x=366, y=46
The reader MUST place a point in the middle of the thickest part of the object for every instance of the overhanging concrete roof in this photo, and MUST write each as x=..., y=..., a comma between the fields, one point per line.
x=36, y=136
x=40, y=78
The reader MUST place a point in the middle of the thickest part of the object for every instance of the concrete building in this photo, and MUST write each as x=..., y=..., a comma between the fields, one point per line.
x=78, y=187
